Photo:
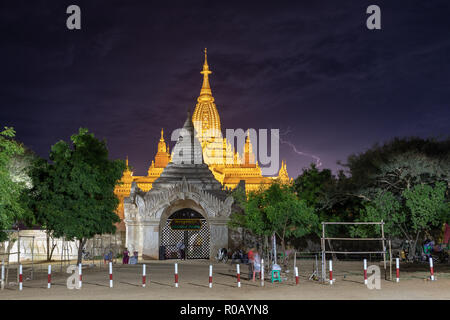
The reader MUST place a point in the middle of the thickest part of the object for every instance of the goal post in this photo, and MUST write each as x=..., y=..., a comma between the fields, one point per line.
x=333, y=252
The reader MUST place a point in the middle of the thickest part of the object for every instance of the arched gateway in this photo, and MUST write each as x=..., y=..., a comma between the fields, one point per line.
x=187, y=188
x=188, y=227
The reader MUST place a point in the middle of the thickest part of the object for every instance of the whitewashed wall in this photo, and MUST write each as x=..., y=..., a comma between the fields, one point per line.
x=40, y=246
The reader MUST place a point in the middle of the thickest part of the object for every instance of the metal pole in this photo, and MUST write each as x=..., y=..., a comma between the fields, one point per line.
x=295, y=259
x=62, y=246
x=18, y=253
x=384, y=246
x=390, y=260
x=32, y=259
x=322, y=244
x=274, y=249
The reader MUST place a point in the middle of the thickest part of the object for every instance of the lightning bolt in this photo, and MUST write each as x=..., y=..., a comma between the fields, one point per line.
x=294, y=148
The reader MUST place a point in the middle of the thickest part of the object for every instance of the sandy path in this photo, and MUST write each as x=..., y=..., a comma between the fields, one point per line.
x=193, y=284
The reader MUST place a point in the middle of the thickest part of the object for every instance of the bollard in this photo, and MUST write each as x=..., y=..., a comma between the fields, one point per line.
x=296, y=275
x=365, y=271
x=238, y=276
x=49, y=276
x=331, y=271
x=210, y=276
x=81, y=274
x=397, y=266
x=110, y=275
x=176, y=275
x=20, y=277
x=143, y=275
x=431, y=269
x=262, y=273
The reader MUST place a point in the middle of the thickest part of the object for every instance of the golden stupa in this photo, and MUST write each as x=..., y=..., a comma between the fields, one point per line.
x=228, y=167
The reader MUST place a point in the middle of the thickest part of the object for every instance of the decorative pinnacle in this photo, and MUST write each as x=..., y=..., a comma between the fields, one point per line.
x=162, y=135
x=206, y=89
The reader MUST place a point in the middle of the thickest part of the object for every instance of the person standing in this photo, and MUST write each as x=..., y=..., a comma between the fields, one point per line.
x=181, y=249
x=126, y=256
x=251, y=261
x=256, y=265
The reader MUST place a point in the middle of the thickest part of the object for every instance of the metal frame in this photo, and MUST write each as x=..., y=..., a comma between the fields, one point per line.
x=323, y=245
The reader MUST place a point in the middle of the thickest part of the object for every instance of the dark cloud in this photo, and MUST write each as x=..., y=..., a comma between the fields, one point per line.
x=311, y=68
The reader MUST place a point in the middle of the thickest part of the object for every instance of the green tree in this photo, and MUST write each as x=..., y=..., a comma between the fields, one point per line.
x=277, y=210
x=74, y=194
x=11, y=184
x=398, y=165
x=418, y=210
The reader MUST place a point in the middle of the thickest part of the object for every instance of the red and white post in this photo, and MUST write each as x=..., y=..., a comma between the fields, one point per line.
x=210, y=276
x=176, y=275
x=49, y=276
x=110, y=275
x=431, y=269
x=397, y=267
x=20, y=278
x=365, y=271
x=238, y=273
x=81, y=274
x=296, y=275
x=331, y=272
x=262, y=273
x=143, y=276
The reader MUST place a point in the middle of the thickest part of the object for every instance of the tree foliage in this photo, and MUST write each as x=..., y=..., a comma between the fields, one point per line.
x=418, y=210
x=277, y=210
x=11, y=184
x=73, y=196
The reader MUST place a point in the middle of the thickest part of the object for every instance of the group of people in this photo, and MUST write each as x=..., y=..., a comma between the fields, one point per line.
x=126, y=259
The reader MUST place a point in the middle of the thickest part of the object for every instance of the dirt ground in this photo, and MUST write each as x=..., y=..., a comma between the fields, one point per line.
x=193, y=283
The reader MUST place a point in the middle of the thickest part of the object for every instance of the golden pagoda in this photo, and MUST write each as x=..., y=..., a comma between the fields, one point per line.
x=226, y=164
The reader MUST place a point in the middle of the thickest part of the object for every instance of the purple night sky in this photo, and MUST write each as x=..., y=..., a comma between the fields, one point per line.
x=310, y=68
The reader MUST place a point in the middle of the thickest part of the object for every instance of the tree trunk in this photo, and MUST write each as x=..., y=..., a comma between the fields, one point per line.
x=48, y=247
x=80, y=250
x=283, y=248
x=412, y=248
x=50, y=251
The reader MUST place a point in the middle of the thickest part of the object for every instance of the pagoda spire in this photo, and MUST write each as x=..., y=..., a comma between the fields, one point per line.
x=205, y=92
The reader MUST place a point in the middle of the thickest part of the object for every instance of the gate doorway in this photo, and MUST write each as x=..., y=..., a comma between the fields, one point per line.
x=188, y=227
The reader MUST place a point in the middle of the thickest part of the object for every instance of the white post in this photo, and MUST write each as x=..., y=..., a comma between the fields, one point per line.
x=49, y=276
x=238, y=276
x=262, y=272
x=81, y=274
x=110, y=275
x=210, y=276
x=20, y=278
x=331, y=271
x=143, y=275
x=431, y=269
x=365, y=271
x=176, y=275
x=296, y=275
x=3, y=275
